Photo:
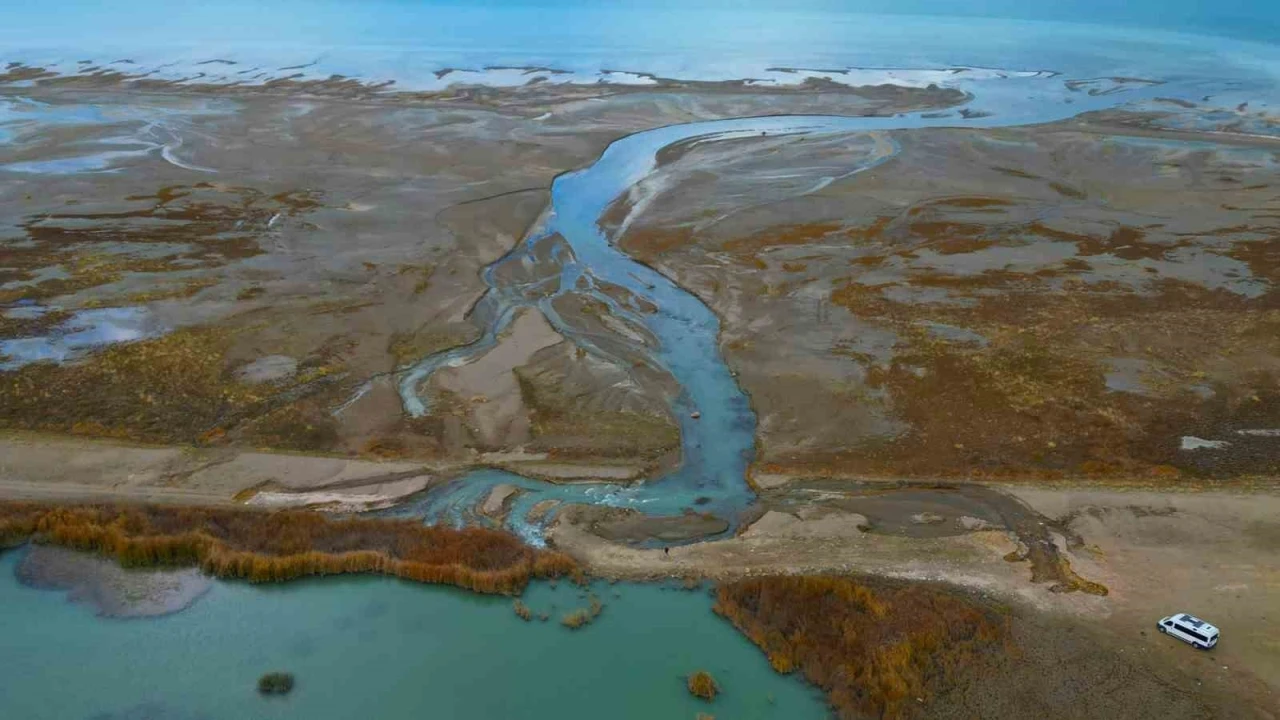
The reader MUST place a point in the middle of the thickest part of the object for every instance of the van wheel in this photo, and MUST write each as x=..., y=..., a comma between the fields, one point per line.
x=1197, y=646
x=1163, y=629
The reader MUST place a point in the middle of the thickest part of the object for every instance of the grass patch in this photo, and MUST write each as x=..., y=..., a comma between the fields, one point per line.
x=873, y=650
x=583, y=616
x=567, y=430
x=172, y=389
x=702, y=685
x=522, y=611
x=275, y=683
x=274, y=547
x=409, y=347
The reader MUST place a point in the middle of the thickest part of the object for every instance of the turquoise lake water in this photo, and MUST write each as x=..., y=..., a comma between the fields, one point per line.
x=380, y=648
x=407, y=40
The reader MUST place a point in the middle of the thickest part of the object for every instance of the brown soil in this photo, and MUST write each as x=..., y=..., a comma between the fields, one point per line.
x=979, y=324
x=1154, y=551
x=1065, y=669
x=632, y=527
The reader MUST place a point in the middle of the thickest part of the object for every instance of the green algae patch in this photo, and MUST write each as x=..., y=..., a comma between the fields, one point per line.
x=275, y=683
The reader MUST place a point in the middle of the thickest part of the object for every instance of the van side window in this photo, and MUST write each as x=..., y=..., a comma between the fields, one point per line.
x=1191, y=632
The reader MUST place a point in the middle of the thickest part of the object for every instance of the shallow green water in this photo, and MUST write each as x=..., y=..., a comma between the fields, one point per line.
x=382, y=649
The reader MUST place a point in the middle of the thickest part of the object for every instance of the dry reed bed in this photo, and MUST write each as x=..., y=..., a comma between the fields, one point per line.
x=273, y=547
x=873, y=650
x=702, y=685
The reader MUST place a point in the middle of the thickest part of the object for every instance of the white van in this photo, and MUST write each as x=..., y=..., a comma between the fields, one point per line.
x=1191, y=629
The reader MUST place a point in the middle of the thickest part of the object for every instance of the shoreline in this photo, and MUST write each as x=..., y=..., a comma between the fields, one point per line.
x=286, y=545
x=119, y=470
x=886, y=96
x=1033, y=639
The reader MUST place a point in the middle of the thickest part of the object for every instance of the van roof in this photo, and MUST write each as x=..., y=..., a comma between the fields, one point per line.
x=1199, y=625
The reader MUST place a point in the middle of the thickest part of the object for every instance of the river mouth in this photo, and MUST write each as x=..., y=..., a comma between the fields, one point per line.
x=572, y=252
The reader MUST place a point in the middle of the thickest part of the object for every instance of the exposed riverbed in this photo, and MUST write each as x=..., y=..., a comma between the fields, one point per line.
x=570, y=256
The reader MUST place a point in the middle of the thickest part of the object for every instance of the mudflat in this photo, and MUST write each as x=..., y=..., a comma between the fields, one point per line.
x=1038, y=362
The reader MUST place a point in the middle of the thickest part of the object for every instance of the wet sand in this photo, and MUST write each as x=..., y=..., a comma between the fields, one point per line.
x=58, y=468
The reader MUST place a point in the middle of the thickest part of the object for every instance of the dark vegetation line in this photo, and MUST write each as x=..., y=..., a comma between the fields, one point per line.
x=878, y=651
x=274, y=547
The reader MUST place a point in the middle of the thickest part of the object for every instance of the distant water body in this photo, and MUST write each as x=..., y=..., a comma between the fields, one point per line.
x=410, y=42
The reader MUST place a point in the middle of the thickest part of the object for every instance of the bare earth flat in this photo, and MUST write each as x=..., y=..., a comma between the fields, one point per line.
x=1040, y=363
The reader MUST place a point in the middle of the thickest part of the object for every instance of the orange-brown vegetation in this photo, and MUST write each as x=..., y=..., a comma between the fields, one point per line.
x=522, y=611
x=647, y=244
x=702, y=685
x=788, y=235
x=960, y=201
x=1033, y=397
x=1069, y=370
x=273, y=547
x=583, y=616
x=874, y=650
x=174, y=388
x=942, y=230
x=215, y=223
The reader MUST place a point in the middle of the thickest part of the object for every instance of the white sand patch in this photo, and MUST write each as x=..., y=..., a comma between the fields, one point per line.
x=1260, y=432
x=344, y=500
x=1191, y=442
